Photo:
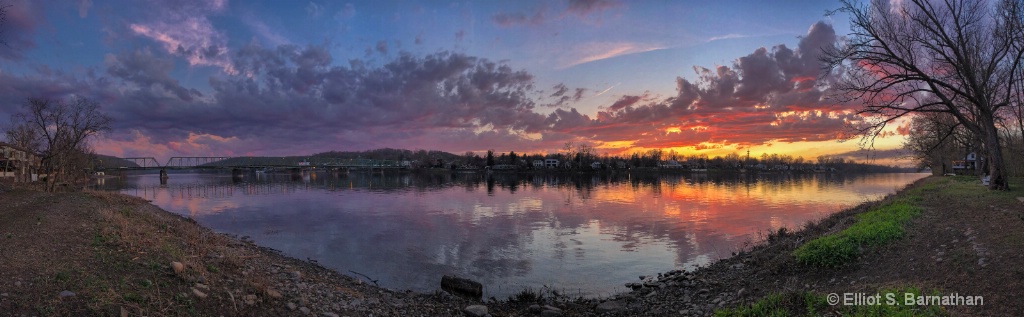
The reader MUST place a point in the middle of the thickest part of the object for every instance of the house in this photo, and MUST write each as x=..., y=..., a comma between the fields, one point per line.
x=18, y=163
x=551, y=163
x=538, y=163
x=595, y=165
x=620, y=164
x=969, y=162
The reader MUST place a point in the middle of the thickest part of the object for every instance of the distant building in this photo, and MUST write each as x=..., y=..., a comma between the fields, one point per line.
x=551, y=163
x=969, y=162
x=670, y=164
x=538, y=163
x=18, y=163
x=595, y=165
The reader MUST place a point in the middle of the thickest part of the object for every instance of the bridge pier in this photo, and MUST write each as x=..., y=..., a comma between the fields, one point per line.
x=163, y=176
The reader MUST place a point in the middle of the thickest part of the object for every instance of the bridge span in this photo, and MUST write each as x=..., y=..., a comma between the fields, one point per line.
x=251, y=162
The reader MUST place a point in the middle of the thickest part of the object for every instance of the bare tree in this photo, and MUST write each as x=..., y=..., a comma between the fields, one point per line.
x=961, y=57
x=64, y=128
x=935, y=140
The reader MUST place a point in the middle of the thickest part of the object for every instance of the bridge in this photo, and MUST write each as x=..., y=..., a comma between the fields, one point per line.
x=251, y=162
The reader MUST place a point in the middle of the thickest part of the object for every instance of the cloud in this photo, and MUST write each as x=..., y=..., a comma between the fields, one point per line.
x=184, y=29
x=289, y=99
x=583, y=8
x=382, y=47
x=516, y=19
x=83, y=8
x=314, y=10
x=18, y=29
x=596, y=51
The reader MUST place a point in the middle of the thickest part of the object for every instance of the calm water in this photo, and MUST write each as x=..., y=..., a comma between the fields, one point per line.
x=581, y=235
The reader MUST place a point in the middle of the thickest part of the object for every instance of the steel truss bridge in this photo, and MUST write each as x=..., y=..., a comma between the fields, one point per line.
x=250, y=162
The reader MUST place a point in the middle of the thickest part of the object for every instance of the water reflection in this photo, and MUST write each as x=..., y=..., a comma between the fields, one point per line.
x=580, y=233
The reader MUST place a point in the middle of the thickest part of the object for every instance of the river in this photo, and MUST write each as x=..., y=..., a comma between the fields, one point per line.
x=579, y=235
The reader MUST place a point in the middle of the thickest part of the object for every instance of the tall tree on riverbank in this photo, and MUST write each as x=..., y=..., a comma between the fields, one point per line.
x=64, y=128
x=960, y=57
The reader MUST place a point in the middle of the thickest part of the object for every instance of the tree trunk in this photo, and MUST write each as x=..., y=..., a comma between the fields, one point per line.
x=996, y=166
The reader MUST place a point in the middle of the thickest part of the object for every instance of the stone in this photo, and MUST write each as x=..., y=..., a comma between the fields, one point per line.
x=201, y=286
x=249, y=299
x=535, y=309
x=551, y=313
x=549, y=307
x=304, y=310
x=274, y=293
x=743, y=291
x=291, y=306
x=198, y=293
x=178, y=267
x=330, y=314
x=476, y=310
x=295, y=275
x=651, y=294
x=611, y=306
x=1020, y=199
x=462, y=287
x=66, y=294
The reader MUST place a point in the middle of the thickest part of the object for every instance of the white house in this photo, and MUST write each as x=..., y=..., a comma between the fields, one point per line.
x=538, y=163
x=595, y=165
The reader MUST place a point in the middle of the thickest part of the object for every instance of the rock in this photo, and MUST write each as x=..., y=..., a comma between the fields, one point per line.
x=549, y=307
x=66, y=294
x=178, y=267
x=611, y=306
x=1020, y=199
x=535, y=309
x=291, y=306
x=124, y=312
x=651, y=294
x=551, y=313
x=274, y=293
x=295, y=275
x=462, y=287
x=198, y=293
x=330, y=314
x=17, y=283
x=201, y=286
x=743, y=291
x=304, y=310
x=476, y=310
x=249, y=299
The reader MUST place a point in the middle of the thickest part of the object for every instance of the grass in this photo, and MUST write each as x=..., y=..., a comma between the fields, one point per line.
x=876, y=227
x=814, y=304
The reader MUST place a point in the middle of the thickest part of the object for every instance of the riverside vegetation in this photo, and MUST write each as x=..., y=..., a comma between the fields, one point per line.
x=96, y=253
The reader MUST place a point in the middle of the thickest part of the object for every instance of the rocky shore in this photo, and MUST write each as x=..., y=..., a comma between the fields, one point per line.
x=93, y=253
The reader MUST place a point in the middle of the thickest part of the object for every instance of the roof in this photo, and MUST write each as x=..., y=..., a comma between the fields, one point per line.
x=17, y=148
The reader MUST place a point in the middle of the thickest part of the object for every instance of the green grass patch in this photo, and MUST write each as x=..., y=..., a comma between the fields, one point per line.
x=873, y=228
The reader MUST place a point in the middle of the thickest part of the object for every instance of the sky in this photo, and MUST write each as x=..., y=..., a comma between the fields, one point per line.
x=267, y=78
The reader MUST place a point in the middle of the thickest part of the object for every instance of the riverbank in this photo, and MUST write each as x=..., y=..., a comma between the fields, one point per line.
x=107, y=254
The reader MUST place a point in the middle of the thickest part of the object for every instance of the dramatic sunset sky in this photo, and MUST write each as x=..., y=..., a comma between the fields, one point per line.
x=231, y=77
